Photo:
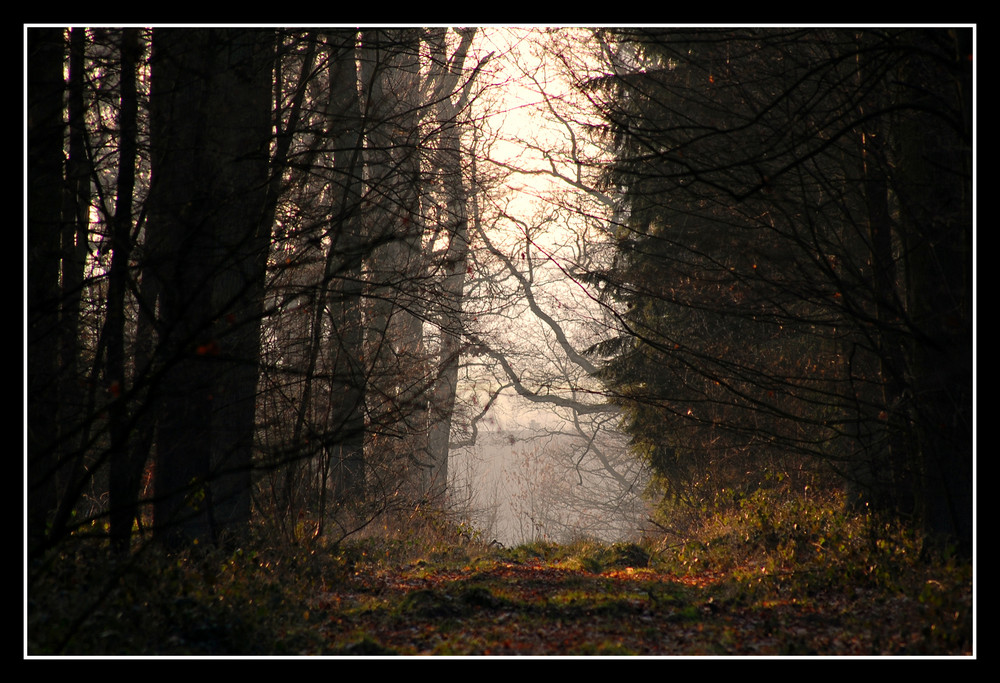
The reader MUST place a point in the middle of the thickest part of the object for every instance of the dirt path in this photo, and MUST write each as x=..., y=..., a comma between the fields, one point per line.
x=539, y=609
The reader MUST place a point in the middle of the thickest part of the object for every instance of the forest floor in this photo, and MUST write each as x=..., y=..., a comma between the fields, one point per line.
x=536, y=607
x=765, y=582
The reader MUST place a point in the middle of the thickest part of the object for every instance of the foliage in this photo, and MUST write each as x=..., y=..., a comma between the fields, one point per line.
x=196, y=602
x=808, y=545
x=86, y=598
x=777, y=222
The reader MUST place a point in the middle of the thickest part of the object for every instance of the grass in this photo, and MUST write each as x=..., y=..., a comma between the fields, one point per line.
x=770, y=577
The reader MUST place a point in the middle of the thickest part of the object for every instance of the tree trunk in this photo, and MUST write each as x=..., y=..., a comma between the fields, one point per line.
x=124, y=480
x=397, y=399
x=934, y=185
x=45, y=187
x=244, y=227
x=209, y=138
x=344, y=261
x=888, y=479
x=434, y=480
x=75, y=251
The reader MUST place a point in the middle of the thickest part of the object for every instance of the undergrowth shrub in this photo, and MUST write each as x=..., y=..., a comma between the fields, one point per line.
x=86, y=599
x=92, y=601
x=426, y=535
x=771, y=545
x=804, y=537
x=599, y=557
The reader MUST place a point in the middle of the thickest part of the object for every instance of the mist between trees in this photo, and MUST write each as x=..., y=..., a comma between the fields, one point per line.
x=296, y=281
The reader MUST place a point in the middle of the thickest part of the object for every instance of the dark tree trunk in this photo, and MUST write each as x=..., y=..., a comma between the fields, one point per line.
x=889, y=487
x=124, y=480
x=344, y=261
x=934, y=183
x=45, y=187
x=210, y=132
x=76, y=234
x=244, y=227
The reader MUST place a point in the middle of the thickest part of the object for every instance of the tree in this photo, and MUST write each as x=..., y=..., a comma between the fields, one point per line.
x=450, y=173
x=90, y=295
x=224, y=187
x=210, y=134
x=45, y=173
x=775, y=238
x=538, y=227
x=346, y=256
x=126, y=465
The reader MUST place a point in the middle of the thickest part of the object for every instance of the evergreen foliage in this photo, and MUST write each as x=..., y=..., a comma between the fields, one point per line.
x=772, y=241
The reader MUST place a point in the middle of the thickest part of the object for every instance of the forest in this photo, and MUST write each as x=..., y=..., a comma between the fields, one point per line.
x=314, y=313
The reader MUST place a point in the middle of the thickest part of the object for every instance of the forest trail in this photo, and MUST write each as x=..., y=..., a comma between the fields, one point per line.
x=373, y=599
x=535, y=608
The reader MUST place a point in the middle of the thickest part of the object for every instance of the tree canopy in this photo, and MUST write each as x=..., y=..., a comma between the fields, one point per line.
x=793, y=282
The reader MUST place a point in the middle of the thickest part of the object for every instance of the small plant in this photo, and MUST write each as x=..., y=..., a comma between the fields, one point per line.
x=534, y=551
x=624, y=555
